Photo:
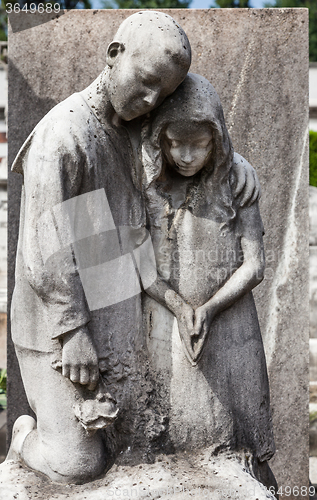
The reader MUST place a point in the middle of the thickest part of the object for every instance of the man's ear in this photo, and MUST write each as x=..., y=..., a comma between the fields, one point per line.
x=112, y=51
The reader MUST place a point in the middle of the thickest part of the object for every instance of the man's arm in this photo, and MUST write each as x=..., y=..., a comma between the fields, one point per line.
x=53, y=169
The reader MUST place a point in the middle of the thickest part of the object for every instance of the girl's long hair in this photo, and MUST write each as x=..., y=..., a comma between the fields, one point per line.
x=210, y=193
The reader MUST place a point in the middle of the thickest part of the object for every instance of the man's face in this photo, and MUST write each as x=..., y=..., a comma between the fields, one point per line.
x=140, y=82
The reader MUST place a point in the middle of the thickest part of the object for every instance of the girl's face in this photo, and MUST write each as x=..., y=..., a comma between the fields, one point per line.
x=187, y=147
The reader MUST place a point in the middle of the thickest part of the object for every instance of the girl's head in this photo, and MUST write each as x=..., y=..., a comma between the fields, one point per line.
x=188, y=133
x=187, y=146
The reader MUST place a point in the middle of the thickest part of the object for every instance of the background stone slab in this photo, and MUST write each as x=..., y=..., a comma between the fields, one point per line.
x=258, y=62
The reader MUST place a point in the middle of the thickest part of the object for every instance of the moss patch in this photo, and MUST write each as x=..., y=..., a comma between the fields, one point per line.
x=313, y=158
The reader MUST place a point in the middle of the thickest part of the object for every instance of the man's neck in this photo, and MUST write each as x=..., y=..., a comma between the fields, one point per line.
x=96, y=96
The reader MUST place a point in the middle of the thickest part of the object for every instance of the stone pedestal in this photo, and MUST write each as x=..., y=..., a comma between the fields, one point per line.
x=257, y=61
x=170, y=477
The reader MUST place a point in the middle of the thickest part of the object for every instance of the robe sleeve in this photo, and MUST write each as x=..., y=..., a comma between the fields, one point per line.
x=53, y=168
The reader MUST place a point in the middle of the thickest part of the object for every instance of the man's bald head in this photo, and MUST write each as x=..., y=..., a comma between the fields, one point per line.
x=147, y=60
x=151, y=31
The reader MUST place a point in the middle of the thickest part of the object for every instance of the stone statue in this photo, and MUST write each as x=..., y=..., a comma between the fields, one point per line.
x=80, y=270
x=210, y=251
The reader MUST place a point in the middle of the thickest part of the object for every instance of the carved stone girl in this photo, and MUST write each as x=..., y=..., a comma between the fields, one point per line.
x=209, y=249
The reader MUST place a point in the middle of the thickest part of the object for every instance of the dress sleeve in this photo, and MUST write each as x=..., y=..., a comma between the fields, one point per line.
x=251, y=222
x=53, y=170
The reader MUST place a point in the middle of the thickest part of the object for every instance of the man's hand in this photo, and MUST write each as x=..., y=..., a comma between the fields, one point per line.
x=247, y=182
x=79, y=358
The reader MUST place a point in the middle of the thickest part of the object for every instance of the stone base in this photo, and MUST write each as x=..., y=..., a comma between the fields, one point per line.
x=181, y=477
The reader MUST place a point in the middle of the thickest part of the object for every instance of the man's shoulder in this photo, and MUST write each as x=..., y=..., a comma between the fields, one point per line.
x=68, y=112
x=61, y=129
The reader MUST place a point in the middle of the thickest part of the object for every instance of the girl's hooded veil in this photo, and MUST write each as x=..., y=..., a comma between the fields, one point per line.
x=195, y=100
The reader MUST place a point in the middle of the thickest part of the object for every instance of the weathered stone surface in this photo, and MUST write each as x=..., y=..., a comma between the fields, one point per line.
x=178, y=478
x=268, y=127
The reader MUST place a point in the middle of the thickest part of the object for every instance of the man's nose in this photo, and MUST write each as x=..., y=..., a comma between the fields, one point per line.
x=151, y=97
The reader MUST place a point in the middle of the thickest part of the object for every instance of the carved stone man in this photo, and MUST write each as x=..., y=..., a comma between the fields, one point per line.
x=79, y=190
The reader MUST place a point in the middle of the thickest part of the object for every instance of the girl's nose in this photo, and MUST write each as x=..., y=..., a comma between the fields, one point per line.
x=187, y=155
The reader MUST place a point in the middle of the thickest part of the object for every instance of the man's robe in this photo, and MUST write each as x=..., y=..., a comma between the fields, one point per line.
x=78, y=192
